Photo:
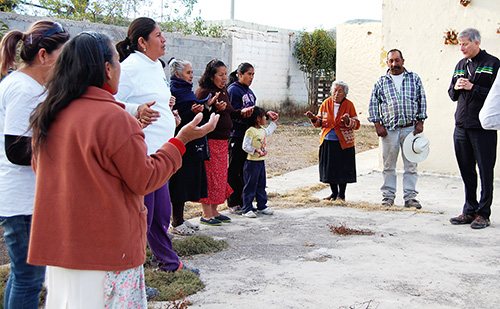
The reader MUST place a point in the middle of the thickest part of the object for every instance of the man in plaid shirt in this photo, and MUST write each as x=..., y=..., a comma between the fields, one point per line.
x=398, y=108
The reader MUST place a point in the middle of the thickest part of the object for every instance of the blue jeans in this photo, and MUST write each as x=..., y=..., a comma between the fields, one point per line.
x=25, y=280
x=254, y=175
x=391, y=144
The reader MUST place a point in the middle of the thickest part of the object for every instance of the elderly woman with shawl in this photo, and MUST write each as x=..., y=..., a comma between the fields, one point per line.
x=337, y=118
x=190, y=181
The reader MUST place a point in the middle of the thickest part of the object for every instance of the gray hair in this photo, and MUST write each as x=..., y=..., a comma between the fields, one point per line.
x=471, y=34
x=340, y=83
x=177, y=65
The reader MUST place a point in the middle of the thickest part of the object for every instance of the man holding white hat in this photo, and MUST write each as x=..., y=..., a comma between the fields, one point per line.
x=398, y=108
x=474, y=146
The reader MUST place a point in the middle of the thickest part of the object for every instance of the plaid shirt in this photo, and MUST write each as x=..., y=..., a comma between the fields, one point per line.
x=397, y=109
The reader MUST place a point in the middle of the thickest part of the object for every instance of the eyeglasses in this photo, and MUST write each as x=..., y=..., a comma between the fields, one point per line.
x=55, y=29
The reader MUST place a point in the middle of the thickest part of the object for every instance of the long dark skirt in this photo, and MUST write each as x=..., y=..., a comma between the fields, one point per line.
x=189, y=183
x=336, y=165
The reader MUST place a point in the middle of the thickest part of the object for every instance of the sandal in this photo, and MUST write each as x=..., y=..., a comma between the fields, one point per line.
x=182, y=230
x=194, y=227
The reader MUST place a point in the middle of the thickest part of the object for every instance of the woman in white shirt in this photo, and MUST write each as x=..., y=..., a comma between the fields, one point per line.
x=20, y=92
x=142, y=84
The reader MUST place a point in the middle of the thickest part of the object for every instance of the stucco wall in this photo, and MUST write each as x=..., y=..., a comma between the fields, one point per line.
x=417, y=28
x=358, y=61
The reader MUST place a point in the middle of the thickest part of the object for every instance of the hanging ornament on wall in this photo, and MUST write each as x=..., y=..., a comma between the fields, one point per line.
x=465, y=2
x=451, y=37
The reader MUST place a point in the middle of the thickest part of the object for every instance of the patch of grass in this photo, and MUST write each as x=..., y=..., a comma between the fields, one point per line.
x=197, y=244
x=173, y=285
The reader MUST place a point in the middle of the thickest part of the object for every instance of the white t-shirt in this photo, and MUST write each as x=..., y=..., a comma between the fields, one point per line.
x=19, y=95
x=141, y=81
x=398, y=81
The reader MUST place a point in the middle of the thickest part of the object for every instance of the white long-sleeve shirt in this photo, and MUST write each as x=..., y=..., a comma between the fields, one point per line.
x=490, y=112
x=143, y=80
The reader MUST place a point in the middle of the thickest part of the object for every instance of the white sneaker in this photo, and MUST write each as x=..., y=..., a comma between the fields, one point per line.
x=250, y=214
x=265, y=211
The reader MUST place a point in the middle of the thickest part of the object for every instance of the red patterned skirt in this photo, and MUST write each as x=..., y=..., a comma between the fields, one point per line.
x=218, y=188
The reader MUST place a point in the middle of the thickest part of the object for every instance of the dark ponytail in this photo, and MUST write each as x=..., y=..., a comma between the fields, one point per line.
x=233, y=77
x=242, y=68
x=140, y=27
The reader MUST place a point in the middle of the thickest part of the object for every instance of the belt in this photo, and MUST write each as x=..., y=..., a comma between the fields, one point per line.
x=407, y=125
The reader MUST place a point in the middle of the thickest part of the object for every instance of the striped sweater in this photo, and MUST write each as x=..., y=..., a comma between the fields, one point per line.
x=483, y=69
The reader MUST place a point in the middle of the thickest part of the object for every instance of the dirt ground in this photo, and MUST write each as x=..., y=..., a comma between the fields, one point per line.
x=294, y=145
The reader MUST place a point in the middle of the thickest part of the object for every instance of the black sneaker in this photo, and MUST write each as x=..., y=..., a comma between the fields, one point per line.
x=462, y=219
x=480, y=222
x=413, y=203
x=388, y=202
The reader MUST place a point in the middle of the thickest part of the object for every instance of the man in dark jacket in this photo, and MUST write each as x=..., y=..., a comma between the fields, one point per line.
x=471, y=82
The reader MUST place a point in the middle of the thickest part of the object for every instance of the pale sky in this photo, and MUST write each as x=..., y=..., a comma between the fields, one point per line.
x=295, y=15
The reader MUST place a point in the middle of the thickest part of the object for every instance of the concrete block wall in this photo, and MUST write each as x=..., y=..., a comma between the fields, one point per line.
x=198, y=50
x=278, y=78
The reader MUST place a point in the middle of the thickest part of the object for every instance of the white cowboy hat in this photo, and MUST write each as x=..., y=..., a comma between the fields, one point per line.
x=416, y=147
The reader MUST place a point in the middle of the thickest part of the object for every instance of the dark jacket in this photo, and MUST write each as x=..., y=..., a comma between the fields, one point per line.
x=241, y=96
x=185, y=98
x=223, y=128
x=484, y=68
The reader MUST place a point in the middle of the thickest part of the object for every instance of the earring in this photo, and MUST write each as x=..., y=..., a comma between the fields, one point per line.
x=144, y=50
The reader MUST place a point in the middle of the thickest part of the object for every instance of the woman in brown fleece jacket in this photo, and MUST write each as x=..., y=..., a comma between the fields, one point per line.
x=92, y=167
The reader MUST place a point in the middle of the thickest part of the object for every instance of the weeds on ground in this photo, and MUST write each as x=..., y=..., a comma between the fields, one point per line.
x=197, y=244
x=175, y=286
x=343, y=230
x=179, y=303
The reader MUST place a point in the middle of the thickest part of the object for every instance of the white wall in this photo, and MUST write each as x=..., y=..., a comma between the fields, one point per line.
x=358, y=61
x=278, y=79
x=417, y=28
